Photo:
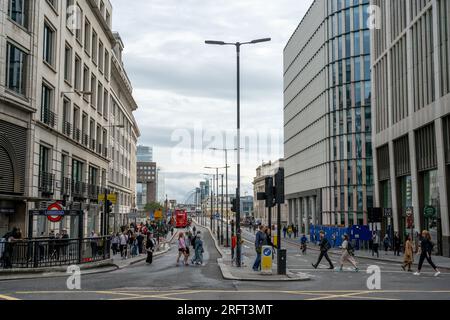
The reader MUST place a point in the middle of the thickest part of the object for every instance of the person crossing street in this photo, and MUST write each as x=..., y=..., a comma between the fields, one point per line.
x=324, y=247
x=347, y=254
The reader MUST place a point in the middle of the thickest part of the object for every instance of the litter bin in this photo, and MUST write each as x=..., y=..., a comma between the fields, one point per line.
x=281, y=263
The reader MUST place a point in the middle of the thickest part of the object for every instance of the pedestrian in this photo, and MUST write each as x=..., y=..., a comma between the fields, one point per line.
x=324, y=247
x=115, y=242
x=181, y=246
x=150, y=245
x=93, y=236
x=290, y=231
x=397, y=244
x=408, y=257
x=198, y=259
x=140, y=239
x=386, y=244
x=187, y=252
x=347, y=254
x=259, y=242
x=284, y=231
x=375, y=244
x=303, y=242
x=426, y=248
x=123, y=245
x=333, y=240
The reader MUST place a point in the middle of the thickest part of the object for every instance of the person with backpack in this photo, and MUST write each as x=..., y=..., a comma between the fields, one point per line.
x=386, y=244
x=324, y=247
x=260, y=241
x=150, y=247
x=198, y=249
x=426, y=248
x=303, y=242
x=347, y=254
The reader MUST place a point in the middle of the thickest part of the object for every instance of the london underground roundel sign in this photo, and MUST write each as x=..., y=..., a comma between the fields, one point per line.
x=58, y=215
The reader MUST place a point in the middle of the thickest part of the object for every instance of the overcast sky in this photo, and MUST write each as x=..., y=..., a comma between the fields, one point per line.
x=186, y=90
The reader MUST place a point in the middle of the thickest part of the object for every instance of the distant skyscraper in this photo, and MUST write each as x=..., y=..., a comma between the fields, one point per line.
x=144, y=154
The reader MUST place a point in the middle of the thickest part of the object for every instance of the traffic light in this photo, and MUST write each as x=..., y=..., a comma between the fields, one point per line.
x=270, y=197
x=279, y=186
x=233, y=205
x=109, y=207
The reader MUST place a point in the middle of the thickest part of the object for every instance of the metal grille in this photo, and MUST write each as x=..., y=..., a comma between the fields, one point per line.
x=6, y=172
x=67, y=128
x=426, y=148
x=46, y=183
x=383, y=163
x=402, y=159
x=48, y=117
x=77, y=134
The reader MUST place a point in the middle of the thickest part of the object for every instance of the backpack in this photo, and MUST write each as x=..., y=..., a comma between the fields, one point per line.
x=350, y=249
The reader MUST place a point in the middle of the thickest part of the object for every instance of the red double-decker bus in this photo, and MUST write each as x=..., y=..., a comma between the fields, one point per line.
x=181, y=219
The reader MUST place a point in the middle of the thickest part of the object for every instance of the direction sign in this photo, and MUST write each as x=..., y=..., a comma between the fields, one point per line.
x=55, y=212
x=158, y=214
x=111, y=197
x=429, y=212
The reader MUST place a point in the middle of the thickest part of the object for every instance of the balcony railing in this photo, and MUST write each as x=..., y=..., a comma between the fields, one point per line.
x=76, y=134
x=93, y=144
x=41, y=253
x=79, y=189
x=46, y=183
x=66, y=185
x=105, y=152
x=67, y=128
x=48, y=117
x=85, y=141
x=93, y=191
x=99, y=148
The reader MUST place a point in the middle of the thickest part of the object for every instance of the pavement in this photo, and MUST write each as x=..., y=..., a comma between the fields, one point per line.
x=441, y=262
x=246, y=273
x=165, y=280
x=116, y=262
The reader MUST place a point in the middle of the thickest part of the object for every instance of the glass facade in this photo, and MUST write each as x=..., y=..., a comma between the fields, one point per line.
x=350, y=111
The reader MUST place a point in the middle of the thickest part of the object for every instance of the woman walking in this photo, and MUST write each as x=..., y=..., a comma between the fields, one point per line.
x=426, y=248
x=347, y=254
x=181, y=246
x=150, y=246
x=408, y=257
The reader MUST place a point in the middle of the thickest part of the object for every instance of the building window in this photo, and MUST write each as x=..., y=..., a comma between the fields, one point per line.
x=86, y=75
x=101, y=56
x=49, y=44
x=68, y=64
x=87, y=36
x=79, y=19
x=77, y=73
x=16, y=69
x=94, y=47
x=47, y=116
x=18, y=12
x=93, y=91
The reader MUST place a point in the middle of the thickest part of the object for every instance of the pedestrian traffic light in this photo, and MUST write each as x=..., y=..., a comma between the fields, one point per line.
x=109, y=207
x=233, y=205
x=279, y=186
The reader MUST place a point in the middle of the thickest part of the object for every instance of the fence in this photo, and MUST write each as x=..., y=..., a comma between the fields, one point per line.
x=38, y=253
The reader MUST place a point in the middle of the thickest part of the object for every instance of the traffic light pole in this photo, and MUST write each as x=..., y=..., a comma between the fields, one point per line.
x=221, y=217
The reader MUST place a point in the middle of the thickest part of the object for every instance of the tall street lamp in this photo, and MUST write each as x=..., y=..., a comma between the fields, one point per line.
x=238, y=191
x=217, y=197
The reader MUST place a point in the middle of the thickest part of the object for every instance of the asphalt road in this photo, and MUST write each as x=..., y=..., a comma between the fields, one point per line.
x=164, y=280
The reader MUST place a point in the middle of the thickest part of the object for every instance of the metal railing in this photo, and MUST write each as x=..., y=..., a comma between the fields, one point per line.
x=67, y=128
x=48, y=117
x=46, y=182
x=41, y=253
x=85, y=141
x=93, y=191
x=79, y=189
x=76, y=134
x=93, y=144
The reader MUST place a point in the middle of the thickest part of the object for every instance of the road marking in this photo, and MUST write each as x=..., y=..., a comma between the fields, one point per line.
x=340, y=295
x=9, y=298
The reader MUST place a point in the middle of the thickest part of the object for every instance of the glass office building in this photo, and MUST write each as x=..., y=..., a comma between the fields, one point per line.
x=328, y=123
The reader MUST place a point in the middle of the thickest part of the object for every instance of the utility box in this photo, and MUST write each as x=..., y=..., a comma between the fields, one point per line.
x=282, y=254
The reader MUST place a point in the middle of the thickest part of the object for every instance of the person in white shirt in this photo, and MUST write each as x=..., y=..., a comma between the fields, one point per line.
x=123, y=245
x=347, y=254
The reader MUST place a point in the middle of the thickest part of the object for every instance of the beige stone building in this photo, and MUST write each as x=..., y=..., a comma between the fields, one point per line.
x=66, y=94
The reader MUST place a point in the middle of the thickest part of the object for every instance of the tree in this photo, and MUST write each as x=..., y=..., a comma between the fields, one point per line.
x=153, y=206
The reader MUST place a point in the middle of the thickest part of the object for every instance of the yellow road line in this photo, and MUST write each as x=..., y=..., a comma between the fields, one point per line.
x=9, y=298
x=348, y=295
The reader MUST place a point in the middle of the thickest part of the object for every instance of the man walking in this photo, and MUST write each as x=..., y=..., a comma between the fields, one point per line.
x=324, y=247
x=259, y=243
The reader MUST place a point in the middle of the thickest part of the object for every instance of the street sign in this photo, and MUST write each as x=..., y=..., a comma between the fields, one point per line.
x=266, y=260
x=429, y=212
x=111, y=197
x=158, y=214
x=55, y=212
